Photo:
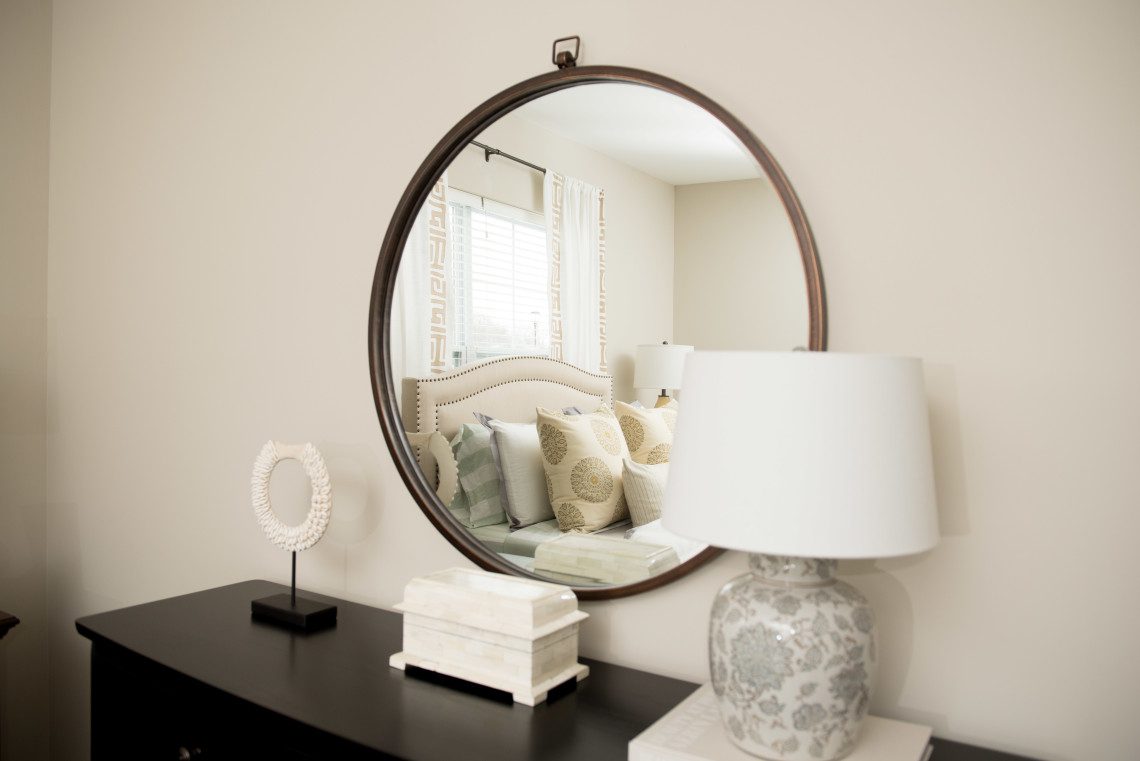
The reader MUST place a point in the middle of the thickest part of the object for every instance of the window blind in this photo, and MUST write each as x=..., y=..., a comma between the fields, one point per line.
x=499, y=280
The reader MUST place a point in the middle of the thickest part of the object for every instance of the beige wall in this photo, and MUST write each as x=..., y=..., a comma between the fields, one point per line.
x=639, y=228
x=738, y=268
x=25, y=84
x=222, y=175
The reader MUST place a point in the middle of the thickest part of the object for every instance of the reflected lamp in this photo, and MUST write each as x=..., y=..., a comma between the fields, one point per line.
x=660, y=366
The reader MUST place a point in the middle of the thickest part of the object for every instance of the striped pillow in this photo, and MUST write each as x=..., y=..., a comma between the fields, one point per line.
x=478, y=477
x=644, y=490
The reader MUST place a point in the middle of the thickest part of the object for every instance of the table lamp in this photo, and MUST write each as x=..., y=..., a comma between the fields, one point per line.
x=829, y=457
x=660, y=366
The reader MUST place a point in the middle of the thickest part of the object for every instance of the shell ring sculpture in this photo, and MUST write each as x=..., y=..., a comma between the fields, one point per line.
x=310, y=531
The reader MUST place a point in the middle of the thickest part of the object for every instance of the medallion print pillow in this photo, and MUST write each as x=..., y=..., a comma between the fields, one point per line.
x=582, y=459
x=648, y=432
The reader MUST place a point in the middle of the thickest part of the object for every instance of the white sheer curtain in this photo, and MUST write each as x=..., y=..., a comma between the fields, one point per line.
x=575, y=233
x=420, y=313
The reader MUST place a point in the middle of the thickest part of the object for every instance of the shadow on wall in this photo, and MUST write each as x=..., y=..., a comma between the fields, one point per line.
x=23, y=654
x=16, y=540
x=69, y=597
x=894, y=612
x=621, y=368
x=355, y=477
x=946, y=441
x=894, y=619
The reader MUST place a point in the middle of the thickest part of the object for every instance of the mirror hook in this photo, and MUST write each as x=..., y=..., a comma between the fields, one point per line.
x=564, y=59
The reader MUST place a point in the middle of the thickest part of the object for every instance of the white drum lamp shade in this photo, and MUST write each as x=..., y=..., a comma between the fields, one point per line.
x=799, y=458
x=659, y=365
x=808, y=454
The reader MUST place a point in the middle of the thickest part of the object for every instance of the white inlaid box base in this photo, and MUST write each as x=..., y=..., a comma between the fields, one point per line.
x=511, y=634
x=530, y=696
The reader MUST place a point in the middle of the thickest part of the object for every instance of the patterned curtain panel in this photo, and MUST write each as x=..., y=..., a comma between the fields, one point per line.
x=576, y=240
x=436, y=206
x=420, y=313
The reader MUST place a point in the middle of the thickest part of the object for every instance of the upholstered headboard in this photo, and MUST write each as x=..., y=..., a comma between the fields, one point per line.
x=507, y=388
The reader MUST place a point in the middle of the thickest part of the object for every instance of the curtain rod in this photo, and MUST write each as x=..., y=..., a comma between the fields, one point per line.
x=488, y=152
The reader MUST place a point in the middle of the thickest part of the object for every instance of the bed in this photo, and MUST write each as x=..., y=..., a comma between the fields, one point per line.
x=510, y=389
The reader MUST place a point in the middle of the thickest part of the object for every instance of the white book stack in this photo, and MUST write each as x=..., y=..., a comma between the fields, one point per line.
x=693, y=732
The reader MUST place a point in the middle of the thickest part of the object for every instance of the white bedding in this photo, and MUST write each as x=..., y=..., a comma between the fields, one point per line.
x=510, y=388
x=493, y=536
x=524, y=541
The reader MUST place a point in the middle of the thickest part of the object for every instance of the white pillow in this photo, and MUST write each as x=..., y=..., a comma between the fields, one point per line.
x=644, y=490
x=519, y=502
x=523, y=479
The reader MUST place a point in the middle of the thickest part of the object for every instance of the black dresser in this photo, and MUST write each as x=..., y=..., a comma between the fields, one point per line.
x=194, y=677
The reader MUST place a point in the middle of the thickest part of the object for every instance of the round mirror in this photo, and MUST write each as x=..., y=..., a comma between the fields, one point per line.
x=545, y=274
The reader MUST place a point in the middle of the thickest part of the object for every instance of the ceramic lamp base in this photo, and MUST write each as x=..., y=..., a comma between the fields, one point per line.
x=792, y=657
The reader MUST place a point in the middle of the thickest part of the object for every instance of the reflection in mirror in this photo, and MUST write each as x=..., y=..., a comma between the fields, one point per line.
x=584, y=224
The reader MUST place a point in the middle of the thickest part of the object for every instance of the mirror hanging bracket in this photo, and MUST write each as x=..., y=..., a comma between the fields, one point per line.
x=564, y=59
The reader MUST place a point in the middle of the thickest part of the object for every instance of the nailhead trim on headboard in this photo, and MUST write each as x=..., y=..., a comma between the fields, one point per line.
x=420, y=382
x=508, y=383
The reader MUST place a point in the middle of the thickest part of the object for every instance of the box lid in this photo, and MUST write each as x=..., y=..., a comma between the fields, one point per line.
x=493, y=601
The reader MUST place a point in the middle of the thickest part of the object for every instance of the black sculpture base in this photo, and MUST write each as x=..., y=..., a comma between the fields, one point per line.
x=302, y=614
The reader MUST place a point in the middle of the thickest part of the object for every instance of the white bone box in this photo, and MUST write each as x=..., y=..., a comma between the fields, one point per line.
x=512, y=634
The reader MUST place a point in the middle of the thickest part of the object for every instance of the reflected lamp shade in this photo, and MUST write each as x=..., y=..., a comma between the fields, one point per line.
x=659, y=365
x=827, y=456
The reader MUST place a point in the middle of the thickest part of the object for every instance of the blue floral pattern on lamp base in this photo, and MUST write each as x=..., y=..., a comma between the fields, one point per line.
x=792, y=657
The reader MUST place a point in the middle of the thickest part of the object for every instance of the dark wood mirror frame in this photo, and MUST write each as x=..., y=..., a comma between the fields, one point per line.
x=384, y=389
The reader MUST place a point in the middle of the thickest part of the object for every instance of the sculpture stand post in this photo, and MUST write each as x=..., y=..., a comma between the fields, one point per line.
x=292, y=611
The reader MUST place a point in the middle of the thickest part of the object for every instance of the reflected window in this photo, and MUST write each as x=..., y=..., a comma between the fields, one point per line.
x=499, y=280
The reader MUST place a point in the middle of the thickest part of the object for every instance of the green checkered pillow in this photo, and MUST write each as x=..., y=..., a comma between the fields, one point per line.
x=478, y=477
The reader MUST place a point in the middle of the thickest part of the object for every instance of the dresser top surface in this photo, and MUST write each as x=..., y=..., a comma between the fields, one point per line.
x=339, y=681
